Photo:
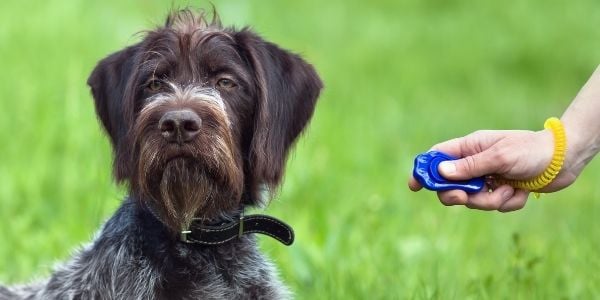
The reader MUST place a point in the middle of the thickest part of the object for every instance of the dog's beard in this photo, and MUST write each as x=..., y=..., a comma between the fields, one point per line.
x=186, y=191
x=185, y=188
x=202, y=179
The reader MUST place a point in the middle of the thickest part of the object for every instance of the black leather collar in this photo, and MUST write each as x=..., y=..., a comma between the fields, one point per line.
x=203, y=234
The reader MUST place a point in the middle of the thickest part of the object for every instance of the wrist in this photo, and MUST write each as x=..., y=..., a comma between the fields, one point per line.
x=580, y=147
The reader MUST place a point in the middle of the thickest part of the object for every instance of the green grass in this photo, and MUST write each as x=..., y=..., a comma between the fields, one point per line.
x=400, y=76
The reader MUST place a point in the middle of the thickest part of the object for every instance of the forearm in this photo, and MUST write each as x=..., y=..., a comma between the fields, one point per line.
x=582, y=125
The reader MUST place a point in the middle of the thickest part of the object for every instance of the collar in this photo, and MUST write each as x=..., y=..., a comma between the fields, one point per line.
x=206, y=234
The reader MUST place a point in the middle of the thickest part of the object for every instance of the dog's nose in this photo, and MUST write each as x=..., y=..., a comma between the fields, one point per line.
x=179, y=126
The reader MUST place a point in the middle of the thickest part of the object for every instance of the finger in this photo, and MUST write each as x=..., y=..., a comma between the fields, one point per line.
x=517, y=201
x=477, y=165
x=414, y=185
x=490, y=201
x=451, y=147
x=453, y=197
x=471, y=143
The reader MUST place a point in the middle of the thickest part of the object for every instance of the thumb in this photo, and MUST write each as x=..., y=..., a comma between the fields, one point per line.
x=468, y=167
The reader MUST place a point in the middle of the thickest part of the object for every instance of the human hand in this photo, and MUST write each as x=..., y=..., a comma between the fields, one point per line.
x=512, y=154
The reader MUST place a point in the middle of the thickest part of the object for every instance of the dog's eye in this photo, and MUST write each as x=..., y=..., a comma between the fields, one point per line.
x=226, y=83
x=154, y=85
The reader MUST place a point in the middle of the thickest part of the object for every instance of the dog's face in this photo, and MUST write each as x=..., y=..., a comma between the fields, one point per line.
x=201, y=117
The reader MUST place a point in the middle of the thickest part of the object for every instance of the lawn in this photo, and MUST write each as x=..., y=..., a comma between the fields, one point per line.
x=400, y=75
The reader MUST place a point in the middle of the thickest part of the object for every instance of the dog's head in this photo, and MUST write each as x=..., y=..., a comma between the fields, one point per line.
x=201, y=117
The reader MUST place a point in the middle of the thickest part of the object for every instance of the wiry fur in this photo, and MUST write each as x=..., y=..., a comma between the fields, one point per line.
x=134, y=258
x=242, y=132
x=180, y=181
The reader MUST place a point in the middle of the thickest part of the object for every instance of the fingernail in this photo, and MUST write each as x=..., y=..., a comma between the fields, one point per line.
x=447, y=168
x=507, y=194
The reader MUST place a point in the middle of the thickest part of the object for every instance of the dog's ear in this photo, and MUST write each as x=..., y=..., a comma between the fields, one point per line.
x=111, y=84
x=108, y=82
x=288, y=88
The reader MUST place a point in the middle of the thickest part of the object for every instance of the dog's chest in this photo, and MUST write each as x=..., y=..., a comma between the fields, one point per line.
x=238, y=272
x=131, y=259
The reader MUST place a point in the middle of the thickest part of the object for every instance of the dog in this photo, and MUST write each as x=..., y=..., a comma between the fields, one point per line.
x=201, y=119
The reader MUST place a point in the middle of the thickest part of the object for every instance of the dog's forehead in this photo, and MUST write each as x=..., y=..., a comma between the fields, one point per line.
x=204, y=49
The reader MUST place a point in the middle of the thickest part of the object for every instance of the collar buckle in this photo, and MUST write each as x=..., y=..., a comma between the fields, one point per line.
x=241, y=231
x=183, y=236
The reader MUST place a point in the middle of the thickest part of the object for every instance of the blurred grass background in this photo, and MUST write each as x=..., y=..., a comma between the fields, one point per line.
x=400, y=76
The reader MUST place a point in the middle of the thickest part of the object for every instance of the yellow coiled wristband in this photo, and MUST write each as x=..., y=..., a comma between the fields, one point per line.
x=560, y=150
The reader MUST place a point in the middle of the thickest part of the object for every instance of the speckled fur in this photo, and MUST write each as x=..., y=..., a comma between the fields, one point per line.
x=134, y=257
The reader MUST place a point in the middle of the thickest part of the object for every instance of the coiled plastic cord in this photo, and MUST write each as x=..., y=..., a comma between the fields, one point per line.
x=560, y=150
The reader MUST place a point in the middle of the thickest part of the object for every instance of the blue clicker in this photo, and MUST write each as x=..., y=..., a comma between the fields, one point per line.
x=426, y=173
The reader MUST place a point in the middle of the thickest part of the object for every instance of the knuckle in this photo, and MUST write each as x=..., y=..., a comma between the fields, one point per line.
x=496, y=201
x=469, y=165
x=478, y=133
x=500, y=157
x=446, y=202
x=448, y=199
x=521, y=203
x=491, y=206
x=504, y=209
x=477, y=136
x=472, y=205
x=487, y=202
